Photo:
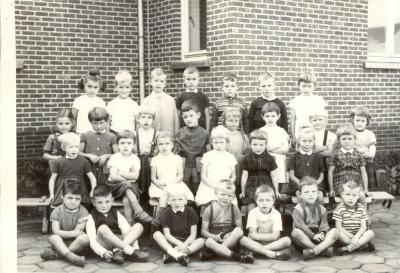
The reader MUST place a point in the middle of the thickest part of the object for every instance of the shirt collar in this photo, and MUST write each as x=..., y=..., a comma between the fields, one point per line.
x=305, y=153
x=269, y=99
x=347, y=151
x=194, y=91
x=181, y=210
x=75, y=210
x=68, y=157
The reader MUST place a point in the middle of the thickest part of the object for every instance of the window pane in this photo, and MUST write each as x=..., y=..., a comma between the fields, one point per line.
x=397, y=28
x=197, y=25
x=377, y=25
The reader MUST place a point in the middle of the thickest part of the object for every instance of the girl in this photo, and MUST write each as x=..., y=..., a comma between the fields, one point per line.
x=238, y=141
x=259, y=168
x=365, y=141
x=217, y=165
x=64, y=124
x=92, y=84
x=346, y=163
x=70, y=166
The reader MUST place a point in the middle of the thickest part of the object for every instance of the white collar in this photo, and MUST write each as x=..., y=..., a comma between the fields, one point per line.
x=193, y=91
x=68, y=157
x=181, y=210
x=305, y=153
x=347, y=151
x=75, y=210
x=269, y=99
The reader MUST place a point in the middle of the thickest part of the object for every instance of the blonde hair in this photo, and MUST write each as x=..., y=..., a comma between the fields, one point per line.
x=157, y=72
x=68, y=138
x=305, y=133
x=165, y=134
x=220, y=132
x=191, y=70
x=176, y=189
x=226, y=185
x=147, y=109
x=265, y=76
x=319, y=113
x=307, y=77
x=123, y=76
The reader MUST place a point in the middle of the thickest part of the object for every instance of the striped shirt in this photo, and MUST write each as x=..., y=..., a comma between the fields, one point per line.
x=351, y=218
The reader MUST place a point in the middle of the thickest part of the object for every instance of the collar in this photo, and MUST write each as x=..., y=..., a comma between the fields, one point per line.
x=181, y=210
x=158, y=95
x=351, y=208
x=268, y=99
x=305, y=153
x=68, y=157
x=346, y=151
x=230, y=98
x=102, y=132
x=75, y=210
x=194, y=91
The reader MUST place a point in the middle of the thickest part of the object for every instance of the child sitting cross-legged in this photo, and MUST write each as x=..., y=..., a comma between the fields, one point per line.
x=351, y=221
x=179, y=228
x=311, y=231
x=265, y=225
x=222, y=225
x=110, y=234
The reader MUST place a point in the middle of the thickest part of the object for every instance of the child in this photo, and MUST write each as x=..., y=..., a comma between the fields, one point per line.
x=266, y=85
x=124, y=171
x=365, y=141
x=305, y=162
x=179, y=223
x=64, y=124
x=164, y=105
x=222, y=225
x=265, y=225
x=346, y=163
x=278, y=139
x=68, y=222
x=70, y=166
x=238, y=141
x=105, y=226
x=311, y=231
x=98, y=146
x=192, y=141
x=92, y=84
x=123, y=110
x=217, y=165
x=301, y=106
x=259, y=168
x=191, y=76
x=230, y=101
x=351, y=220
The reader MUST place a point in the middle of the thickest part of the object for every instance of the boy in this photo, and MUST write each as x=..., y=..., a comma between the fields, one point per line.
x=310, y=223
x=267, y=88
x=265, y=225
x=98, y=146
x=68, y=224
x=105, y=226
x=191, y=76
x=222, y=225
x=192, y=141
x=230, y=101
x=124, y=171
x=179, y=224
x=122, y=109
x=351, y=221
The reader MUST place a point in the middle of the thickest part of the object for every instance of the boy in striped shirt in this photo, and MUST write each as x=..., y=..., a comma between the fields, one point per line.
x=351, y=220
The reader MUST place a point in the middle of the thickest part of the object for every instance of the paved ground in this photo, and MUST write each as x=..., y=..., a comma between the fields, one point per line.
x=385, y=223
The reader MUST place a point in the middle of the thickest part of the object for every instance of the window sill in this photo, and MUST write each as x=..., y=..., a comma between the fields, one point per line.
x=382, y=62
x=203, y=63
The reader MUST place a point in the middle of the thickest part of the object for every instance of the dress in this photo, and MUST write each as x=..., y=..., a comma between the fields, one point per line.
x=84, y=104
x=238, y=144
x=123, y=113
x=219, y=165
x=53, y=146
x=199, y=98
x=255, y=118
x=363, y=141
x=68, y=168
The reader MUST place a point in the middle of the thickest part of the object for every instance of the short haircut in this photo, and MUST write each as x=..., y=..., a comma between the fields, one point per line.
x=231, y=113
x=231, y=77
x=166, y=134
x=351, y=184
x=305, y=126
x=147, y=109
x=68, y=138
x=92, y=75
x=345, y=130
x=126, y=134
x=270, y=107
x=361, y=111
x=305, y=132
x=319, y=113
x=265, y=76
x=102, y=190
x=307, y=181
x=177, y=189
x=220, y=132
x=191, y=70
x=189, y=105
x=72, y=186
x=157, y=72
x=98, y=114
x=264, y=189
x=259, y=135
x=123, y=76
x=226, y=185
x=307, y=77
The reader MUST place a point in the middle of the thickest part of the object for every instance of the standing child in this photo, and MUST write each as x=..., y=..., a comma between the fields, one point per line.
x=122, y=109
x=179, y=228
x=191, y=76
x=265, y=225
x=266, y=85
x=64, y=124
x=164, y=105
x=192, y=141
x=278, y=139
x=70, y=166
x=68, y=221
x=216, y=166
x=98, y=146
x=365, y=141
x=259, y=168
x=311, y=231
x=351, y=220
x=230, y=101
x=91, y=84
x=105, y=226
x=238, y=141
x=222, y=225
x=302, y=106
x=124, y=171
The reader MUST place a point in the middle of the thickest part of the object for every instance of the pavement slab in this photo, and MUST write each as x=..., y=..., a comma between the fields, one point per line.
x=377, y=268
x=318, y=269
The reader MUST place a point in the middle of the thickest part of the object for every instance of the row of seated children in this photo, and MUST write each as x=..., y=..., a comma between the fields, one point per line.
x=112, y=238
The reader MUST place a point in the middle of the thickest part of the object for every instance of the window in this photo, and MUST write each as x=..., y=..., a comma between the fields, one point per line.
x=194, y=29
x=383, y=33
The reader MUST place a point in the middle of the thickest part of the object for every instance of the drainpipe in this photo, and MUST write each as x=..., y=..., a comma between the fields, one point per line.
x=141, y=51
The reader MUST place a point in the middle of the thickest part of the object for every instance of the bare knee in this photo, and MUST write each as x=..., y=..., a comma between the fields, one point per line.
x=286, y=241
x=297, y=234
x=102, y=230
x=237, y=232
x=157, y=235
x=209, y=242
x=83, y=239
x=54, y=238
x=138, y=226
x=370, y=233
x=334, y=232
x=125, y=201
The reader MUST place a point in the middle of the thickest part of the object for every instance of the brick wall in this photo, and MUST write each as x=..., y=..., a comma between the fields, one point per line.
x=59, y=41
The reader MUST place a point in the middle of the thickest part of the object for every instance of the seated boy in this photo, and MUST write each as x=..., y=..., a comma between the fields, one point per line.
x=351, y=221
x=68, y=224
x=222, y=225
x=179, y=224
x=311, y=231
x=265, y=225
x=105, y=226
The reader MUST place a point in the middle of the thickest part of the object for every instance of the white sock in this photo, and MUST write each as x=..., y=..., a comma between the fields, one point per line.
x=135, y=244
x=128, y=250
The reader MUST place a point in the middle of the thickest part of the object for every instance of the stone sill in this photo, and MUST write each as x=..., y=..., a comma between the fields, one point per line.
x=206, y=63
